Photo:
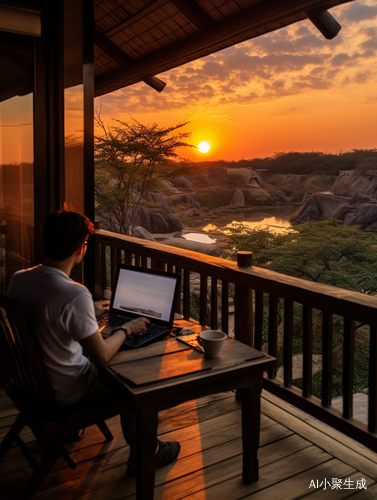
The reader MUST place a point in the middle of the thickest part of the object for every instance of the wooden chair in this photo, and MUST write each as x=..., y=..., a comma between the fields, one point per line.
x=28, y=387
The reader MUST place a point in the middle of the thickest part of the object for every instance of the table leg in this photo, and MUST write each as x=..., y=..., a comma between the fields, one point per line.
x=146, y=435
x=250, y=397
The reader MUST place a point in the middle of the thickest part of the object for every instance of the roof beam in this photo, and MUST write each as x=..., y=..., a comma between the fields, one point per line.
x=194, y=13
x=123, y=59
x=324, y=22
x=255, y=18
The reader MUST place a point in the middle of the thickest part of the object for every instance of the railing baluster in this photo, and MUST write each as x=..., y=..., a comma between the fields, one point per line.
x=243, y=303
x=326, y=359
x=113, y=266
x=128, y=258
x=307, y=347
x=104, y=267
x=258, y=328
x=272, y=331
x=372, y=396
x=158, y=264
x=225, y=307
x=203, y=300
x=214, y=303
x=348, y=366
x=186, y=294
x=288, y=339
x=144, y=261
x=98, y=273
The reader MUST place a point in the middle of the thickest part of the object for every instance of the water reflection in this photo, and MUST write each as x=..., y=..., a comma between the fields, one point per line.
x=201, y=238
x=273, y=224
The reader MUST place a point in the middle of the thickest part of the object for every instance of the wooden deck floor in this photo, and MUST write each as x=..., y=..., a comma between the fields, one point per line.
x=294, y=451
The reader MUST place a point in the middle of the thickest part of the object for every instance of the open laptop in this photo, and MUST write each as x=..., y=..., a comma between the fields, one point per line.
x=142, y=292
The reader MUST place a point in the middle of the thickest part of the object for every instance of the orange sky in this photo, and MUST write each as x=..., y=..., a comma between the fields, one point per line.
x=291, y=90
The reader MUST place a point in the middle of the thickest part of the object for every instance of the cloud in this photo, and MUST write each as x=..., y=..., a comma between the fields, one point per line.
x=286, y=62
x=357, y=12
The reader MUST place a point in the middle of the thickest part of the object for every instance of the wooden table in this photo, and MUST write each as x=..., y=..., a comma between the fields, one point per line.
x=144, y=379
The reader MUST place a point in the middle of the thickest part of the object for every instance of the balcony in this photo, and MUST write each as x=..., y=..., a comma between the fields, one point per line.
x=297, y=450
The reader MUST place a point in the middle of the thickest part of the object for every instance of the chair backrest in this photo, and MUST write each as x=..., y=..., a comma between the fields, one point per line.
x=21, y=356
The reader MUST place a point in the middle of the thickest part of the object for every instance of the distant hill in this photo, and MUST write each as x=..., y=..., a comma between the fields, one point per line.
x=293, y=162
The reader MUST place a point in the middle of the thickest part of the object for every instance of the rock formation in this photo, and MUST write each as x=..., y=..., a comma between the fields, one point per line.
x=238, y=199
x=353, y=199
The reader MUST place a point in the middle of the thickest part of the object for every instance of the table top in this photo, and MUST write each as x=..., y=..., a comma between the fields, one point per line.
x=167, y=363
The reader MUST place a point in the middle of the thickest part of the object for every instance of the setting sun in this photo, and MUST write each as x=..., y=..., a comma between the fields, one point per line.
x=204, y=147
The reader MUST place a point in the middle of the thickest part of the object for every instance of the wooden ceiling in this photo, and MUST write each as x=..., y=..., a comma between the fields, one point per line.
x=136, y=39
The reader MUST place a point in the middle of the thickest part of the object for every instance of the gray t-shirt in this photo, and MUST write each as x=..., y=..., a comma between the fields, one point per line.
x=62, y=313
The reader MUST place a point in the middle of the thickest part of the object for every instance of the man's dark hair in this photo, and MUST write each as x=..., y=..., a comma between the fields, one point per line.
x=64, y=231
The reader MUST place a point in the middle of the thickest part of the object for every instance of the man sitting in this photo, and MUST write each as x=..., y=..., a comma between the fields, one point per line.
x=63, y=316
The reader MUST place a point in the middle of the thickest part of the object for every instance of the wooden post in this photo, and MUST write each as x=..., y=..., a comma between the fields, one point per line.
x=243, y=314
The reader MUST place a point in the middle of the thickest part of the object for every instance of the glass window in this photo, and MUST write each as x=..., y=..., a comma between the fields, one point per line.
x=16, y=155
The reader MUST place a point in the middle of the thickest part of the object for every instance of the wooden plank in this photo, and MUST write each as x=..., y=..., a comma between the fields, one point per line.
x=340, y=494
x=348, y=366
x=213, y=321
x=272, y=331
x=288, y=340
x=307, y=347
x=372, y=399
x=326, y=359
x=299, y=486
x=258, y=318
x=335, y=443
x=225, y=307
x=268, y=475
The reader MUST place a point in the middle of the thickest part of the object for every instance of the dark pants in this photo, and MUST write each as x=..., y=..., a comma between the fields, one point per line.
x=98, y=397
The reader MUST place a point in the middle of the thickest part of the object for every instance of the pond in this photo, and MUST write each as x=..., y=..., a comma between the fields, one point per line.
x=276, y=221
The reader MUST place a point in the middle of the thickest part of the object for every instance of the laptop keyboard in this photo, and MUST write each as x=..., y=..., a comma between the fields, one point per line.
x=152, y=330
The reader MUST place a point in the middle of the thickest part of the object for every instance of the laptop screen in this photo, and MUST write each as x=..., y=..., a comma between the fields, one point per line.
x=144, y=292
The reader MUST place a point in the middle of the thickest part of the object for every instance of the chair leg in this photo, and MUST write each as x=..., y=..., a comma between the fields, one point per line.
x=52, y=453
x=12, y=435
x=70, y=461
x=102, y=426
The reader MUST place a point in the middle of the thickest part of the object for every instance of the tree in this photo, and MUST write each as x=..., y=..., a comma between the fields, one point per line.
x=324, y=252
x=131, y=159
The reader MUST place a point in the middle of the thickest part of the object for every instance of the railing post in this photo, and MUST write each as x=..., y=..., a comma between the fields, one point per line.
x=243, y=301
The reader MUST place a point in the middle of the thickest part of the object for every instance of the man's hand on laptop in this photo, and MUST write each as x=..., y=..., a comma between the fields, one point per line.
x=136, y=326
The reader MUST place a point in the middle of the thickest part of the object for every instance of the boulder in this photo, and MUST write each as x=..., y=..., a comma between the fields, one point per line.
x=249, y=175
x=181, y=182
x=169, y=186
x=159, y=223
x=174, y=223
x=306, y=181
x=140, y=232
x=364, y=216
x=158, y=199
x=280, y=198
x=143, y=218
x=360, y=198
x=156, y=222
x=321, y=206
x=352, y=182
x=238, y=199
x=190, y=200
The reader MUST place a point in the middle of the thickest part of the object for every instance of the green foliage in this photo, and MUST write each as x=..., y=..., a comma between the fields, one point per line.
x=324, y=252
x=215, y=199
x=130, y=160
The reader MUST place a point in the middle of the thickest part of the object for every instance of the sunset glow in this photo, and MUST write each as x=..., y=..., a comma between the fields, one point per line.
x=289, y=90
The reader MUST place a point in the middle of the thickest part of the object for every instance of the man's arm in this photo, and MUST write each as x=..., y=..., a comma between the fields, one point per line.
x=100, y=350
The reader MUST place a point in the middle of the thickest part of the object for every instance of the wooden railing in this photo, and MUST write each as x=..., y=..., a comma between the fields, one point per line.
x=258, y=293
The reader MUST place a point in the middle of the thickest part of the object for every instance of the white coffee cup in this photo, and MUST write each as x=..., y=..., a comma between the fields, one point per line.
x=212, y=342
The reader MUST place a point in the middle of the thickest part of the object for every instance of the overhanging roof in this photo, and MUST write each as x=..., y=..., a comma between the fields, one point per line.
x=137, y=39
